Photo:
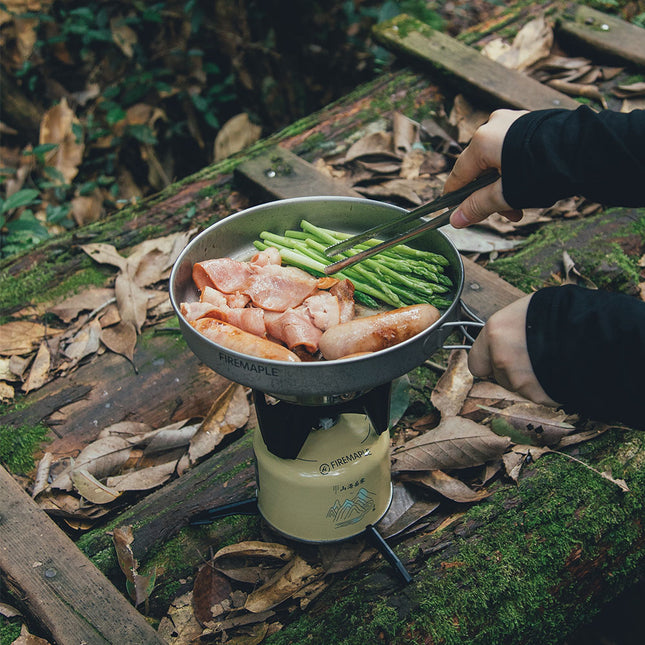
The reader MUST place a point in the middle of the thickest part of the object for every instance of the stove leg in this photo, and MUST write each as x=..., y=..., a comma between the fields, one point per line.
x=245, y=507
x=377, y=540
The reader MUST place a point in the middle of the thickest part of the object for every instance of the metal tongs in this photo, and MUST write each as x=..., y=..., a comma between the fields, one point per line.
x=449, y=201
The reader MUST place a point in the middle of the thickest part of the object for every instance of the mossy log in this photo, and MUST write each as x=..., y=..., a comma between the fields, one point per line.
x=526, y=565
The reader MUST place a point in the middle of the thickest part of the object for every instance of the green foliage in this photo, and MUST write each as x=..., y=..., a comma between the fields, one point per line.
x=18, y=444
x=9, y=630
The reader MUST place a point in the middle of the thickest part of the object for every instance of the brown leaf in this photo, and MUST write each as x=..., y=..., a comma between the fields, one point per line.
x=536, y=424
x=466, y=118
x=85, y=342
x=27, y=638
x=452, y=388
x=39, y=372
x=399, y=188
x=292, y=577
x=532, y=43
x=520, y=455
x=58, y=127
x=88, y=300
x=20, y=337
x=447, y=486
x=139, y=586
x=123, y=36
x=252, y=562
x=375, y=144
x=143, y=478
x=87, y=208
x=405, y=133
x=101, y=458
x=229, y=412
x=455, y=443
x=105, y=254
x=180, y=627
x=235, y=135
x=345, y=555
x=120, y=339
x=131, y=299
x=210, y=588
x=91, y=488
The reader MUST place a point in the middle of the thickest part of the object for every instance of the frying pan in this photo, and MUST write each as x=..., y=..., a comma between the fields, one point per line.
x=320, y=382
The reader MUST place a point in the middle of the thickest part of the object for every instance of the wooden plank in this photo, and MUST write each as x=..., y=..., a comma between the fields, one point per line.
x=68, y=594
x=489, y=81
x=484, y=292
x=612, y=37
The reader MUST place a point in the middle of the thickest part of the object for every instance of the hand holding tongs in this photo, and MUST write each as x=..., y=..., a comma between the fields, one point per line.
x=448, y=201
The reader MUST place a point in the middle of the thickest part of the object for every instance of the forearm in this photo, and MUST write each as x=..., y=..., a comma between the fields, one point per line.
x=551, y=154
x=587, y=349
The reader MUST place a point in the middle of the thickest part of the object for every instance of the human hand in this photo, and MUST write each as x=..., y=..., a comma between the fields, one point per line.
x=500, y=352
x=483, y=152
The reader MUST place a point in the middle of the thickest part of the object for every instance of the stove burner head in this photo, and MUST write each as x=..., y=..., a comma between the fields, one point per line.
x=286, y=426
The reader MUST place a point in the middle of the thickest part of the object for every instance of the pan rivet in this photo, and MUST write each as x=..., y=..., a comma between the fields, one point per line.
x=475, y=286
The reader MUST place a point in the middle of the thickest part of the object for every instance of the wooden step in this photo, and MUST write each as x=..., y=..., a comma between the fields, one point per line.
x=605, y=35
x=72, y=599
x=469, y=70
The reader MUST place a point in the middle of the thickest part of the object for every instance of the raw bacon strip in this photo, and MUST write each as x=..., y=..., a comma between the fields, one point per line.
x=295, y=329
x=344, y=292
x=237, y=300
x=279, y=288
x=193, y=311
x=213, y=305
x=270, y=255
x=249, y=319
x=224, y=274
x=324, y=309
x=213, y=297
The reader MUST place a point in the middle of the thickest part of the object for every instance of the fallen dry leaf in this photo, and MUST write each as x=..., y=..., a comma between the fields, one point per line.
x=518, y=456
x=210, y=588
x=88, y=300
x=91, y=488
x=101, y=458
x=144, y=478
x=139, y=587
x=448, y=486
x=179, y=626
x=235, y=135
x=531, y=423
x=229, y=412
x=20, y=337
x=287, y=581
x=452, y=388
x=120, y=339
x=39, y=371
x=58, y=127
x=455, y=443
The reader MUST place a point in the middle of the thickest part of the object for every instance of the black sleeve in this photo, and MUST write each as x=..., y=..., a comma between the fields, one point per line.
x=551, y=154
x=587, y=349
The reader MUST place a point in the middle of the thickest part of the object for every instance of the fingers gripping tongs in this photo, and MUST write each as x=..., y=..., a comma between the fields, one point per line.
x=446, y=204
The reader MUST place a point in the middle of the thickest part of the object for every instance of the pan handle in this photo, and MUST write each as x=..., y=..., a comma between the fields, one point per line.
x=475, y=322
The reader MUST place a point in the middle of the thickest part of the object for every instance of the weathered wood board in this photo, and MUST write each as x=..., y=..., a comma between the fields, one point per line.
x=466, y=68
x=70, y=597
x=607, y=36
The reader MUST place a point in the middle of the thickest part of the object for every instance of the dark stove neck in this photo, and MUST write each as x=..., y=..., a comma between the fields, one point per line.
x=285, y=426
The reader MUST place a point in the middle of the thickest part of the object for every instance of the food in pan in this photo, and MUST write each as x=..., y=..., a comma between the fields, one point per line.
x=271, y=307
x=373, y=333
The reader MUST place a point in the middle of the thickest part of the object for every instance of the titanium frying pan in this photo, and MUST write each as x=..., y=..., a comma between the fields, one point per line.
x=321, y=382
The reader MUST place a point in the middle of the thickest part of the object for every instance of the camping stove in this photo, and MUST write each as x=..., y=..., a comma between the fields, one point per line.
x=323, y=471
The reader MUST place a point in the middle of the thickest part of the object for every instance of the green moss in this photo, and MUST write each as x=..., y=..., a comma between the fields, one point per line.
x=9, y=630
x=505, y=573
x=598, y=257
x=18, y=445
